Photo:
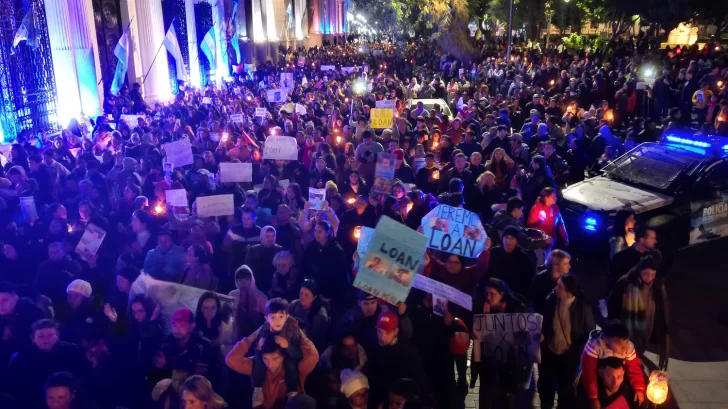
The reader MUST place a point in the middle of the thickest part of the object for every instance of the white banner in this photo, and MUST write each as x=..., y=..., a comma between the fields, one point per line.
x=236, y=172
x=328, y=67
x=217, y=205
x=280, y=147
x=178, y=152
x=442, y=290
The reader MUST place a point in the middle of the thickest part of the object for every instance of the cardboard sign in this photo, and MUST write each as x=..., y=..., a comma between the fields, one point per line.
x=316, y=197
x=217, y=205
x=454, y=230
x=236, y=172
x=276, y=95
x=381, y=118
x=366, y=234
x=178, y=152
x=443, y=290
x=237, y=118
x=287, y=81
x=176, y=197
x=384, y=173
x=386, y=104
x=91, y=240
x=131, y=120
x=328, y=67
x=395, y=256
x=280, y=147
x=507, y=338
x=27, y=206
x=261, y=112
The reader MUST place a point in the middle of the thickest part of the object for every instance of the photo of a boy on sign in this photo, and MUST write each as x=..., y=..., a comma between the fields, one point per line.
x=401, y=275
x=384, y=174
x=439, y=224
x=377, y=264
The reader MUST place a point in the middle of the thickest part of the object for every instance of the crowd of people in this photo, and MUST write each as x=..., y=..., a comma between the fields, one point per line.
x=279, y=323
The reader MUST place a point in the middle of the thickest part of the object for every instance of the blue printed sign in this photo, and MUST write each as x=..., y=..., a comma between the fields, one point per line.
x=454, y=230
x=395, y=255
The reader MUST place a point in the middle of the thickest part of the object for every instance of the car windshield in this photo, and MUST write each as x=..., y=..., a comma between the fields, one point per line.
x=653, y=166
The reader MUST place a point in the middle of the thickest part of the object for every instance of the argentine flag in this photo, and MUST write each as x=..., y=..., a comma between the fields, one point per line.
x=28, y=32
x=170, y=41
x=122, y=53
x=208, y=47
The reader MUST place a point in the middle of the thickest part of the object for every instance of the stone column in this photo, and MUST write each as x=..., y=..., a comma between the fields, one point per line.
x=73, y=59
x=150, y=23
x=193, y=52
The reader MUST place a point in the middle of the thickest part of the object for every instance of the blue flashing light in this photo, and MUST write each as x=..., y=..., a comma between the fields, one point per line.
x=689, y=142
x=725, y=147
x=590, y=223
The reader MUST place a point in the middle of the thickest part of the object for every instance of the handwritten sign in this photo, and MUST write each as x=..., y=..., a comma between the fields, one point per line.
x=366, y=234
x=217, y=205
x=237, y=118
x=176, y=197
x=328, y=67
x=236, y=172
x=300, y=109
x=394, y=257
x=443, y=290
x=507, y=338
x=207, y=100
x=261, y=112
x=381, y=118
x=280, y=147
x=178, y=152
x=454, y=230
x=384, y=173
x=131, y=120
x=349, y=70
x=386, y=104
x=316, y=197
x=91, y=240
x=276, y=95
x=27, y=206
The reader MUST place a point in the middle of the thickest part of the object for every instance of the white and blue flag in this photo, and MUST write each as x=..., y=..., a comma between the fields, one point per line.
x=122, y=52
x=208, y=47
x=170, y=41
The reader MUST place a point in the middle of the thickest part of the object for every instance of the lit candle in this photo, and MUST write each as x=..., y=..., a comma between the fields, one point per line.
x=720, y=84
x=657, y=388
x=434, y=144
x=338, y=140
x=409, y=206
x=351, y=201
x=70, y=228
x=436, y=174
x=357, y=232
x=552, y=82
x=250, y=98
x=158, y=209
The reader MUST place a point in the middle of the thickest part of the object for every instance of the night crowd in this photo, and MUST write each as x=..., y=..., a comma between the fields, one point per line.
x=278, y=324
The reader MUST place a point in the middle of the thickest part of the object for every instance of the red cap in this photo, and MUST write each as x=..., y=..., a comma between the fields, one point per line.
x=388, y=321
x=399, y=153
x=182, y=315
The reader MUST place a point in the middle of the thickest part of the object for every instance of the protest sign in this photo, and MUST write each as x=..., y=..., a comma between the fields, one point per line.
x=454, y=230
x=236, y=172
x=214, y=136
x=178, y=152
x=328, y=67
x=261, y=112
x=301, y=61
x=176, y=197
x=206, y=100
x=283, y=183
x=439, y=306
x=237, y=118
x=75, y=152
x=377, y=53
x=384, y=173
x=131, y=121
x=394, y=257
x=276, y=95
x=169, y=296
x=287, y=80
x=300, y=109
x=443, y=290
x=418, y=163
x=316, y=197
x=217, y=205
x=381, y=118
x=27, y=205
x=349, y=70
x=280, y=147
x=91, y=240
x=507, y=338
x=366, y=234
x=386, y=104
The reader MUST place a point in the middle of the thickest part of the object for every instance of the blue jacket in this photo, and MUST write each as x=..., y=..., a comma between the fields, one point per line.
x=172, y=263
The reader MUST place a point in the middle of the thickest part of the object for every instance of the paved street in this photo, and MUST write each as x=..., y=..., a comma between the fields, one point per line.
x=697, y=288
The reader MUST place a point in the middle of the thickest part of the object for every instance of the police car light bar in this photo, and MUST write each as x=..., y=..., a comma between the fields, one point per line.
x=689, y=142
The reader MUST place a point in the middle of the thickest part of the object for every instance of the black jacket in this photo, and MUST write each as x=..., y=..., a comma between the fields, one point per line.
x=17, y=325
x=541, y=286
x=624, y=261
x=514, y=268
x=329, y=267
x=389, y=363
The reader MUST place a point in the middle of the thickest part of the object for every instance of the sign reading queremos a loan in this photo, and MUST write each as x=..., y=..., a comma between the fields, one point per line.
x=454, y=230
x=395, y=256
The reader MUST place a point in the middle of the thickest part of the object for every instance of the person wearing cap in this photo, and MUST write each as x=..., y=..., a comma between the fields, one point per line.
x=402, y=171
x=321, y=174
x=355, y=387
x=17, y=314
x=469, y=145
x=361, y=319
x=509, y=217
x=186, y=343
x=536, y=104
x=392, y=358
x=510, y=263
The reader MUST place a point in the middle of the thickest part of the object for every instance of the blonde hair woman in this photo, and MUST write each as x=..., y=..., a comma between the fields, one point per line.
x=197, y=393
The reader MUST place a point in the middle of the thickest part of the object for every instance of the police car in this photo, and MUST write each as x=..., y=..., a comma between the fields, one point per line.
x=679, y=186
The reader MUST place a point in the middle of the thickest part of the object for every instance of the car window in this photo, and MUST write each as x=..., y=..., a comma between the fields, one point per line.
x=717, y=174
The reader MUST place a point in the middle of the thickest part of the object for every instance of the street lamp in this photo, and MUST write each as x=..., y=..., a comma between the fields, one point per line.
x=549, y=14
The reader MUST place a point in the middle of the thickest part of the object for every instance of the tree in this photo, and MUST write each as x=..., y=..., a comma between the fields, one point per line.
x=620, y=14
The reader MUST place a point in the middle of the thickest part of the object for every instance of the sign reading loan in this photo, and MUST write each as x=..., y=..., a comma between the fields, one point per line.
x=454, y=230
x=508, y=338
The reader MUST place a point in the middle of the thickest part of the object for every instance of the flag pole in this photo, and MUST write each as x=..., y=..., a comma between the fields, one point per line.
x=106, y=70
x=155, y=55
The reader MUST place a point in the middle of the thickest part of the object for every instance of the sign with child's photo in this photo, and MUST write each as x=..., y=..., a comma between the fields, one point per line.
x=395, y=256
x=316, y=198
x=507, y=338
x=276, y=95
x=454, y=230
x=384, y=173
x=91, y=240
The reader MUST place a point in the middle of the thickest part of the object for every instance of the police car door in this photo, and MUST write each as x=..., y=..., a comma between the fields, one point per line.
x=709, y=207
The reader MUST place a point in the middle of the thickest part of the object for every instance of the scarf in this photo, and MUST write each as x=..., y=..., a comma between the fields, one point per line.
x=636, y=314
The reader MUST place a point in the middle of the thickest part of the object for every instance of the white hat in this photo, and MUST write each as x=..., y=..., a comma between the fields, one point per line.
x=352, y=382
x=80, y=286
